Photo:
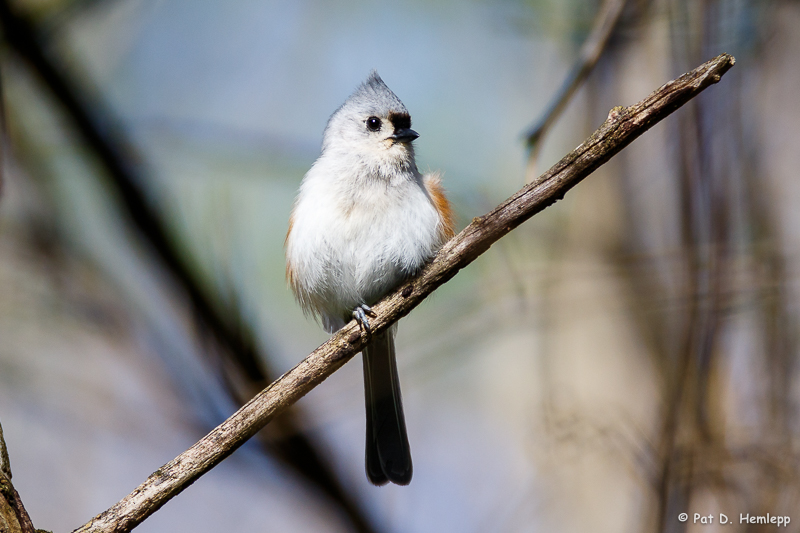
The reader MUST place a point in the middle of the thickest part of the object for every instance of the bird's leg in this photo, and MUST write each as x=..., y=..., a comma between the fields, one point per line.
x=360, y=314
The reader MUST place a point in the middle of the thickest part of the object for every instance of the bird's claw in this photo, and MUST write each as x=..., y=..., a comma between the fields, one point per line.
x=360, y=314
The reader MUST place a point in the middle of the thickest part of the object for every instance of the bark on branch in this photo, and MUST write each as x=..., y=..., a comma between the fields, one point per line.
x=622, y=126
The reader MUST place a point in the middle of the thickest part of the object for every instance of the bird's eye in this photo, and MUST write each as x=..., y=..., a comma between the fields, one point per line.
x=374, y=123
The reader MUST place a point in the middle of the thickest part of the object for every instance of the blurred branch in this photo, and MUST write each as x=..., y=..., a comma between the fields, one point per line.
x=244, y=372
x=13, y=516
x=622, y=126
x=3, y=136
x=107, y=141
x=56, y=16
x=604, y=24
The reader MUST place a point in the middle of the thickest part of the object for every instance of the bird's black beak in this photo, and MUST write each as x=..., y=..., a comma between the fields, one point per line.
x=404, y=135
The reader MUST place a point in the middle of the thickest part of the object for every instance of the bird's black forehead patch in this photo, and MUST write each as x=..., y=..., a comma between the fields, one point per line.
x=400, y=120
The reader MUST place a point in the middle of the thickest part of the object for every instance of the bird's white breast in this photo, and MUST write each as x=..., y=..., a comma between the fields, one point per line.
x=354, y=237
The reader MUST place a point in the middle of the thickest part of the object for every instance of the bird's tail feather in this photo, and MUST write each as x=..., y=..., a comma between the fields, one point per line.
x=388, y=452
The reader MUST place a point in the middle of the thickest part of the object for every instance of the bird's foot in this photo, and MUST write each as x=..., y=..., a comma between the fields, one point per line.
x=360, y=314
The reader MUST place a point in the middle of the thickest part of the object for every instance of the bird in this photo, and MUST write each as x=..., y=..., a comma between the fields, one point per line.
x=365, y=219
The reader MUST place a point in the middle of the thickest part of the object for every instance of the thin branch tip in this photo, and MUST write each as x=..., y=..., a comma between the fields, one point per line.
x=724, y=61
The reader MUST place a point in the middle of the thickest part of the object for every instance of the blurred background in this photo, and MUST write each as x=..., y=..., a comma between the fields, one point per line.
x=627, y=355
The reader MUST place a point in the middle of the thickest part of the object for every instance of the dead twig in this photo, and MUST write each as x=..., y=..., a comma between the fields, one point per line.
x=622, y=126
x=11, y=508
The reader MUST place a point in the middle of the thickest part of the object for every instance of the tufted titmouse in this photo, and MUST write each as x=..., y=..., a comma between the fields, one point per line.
x=364, y=220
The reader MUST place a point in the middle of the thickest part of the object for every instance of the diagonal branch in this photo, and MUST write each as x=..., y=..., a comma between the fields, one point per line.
x=620, y=129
